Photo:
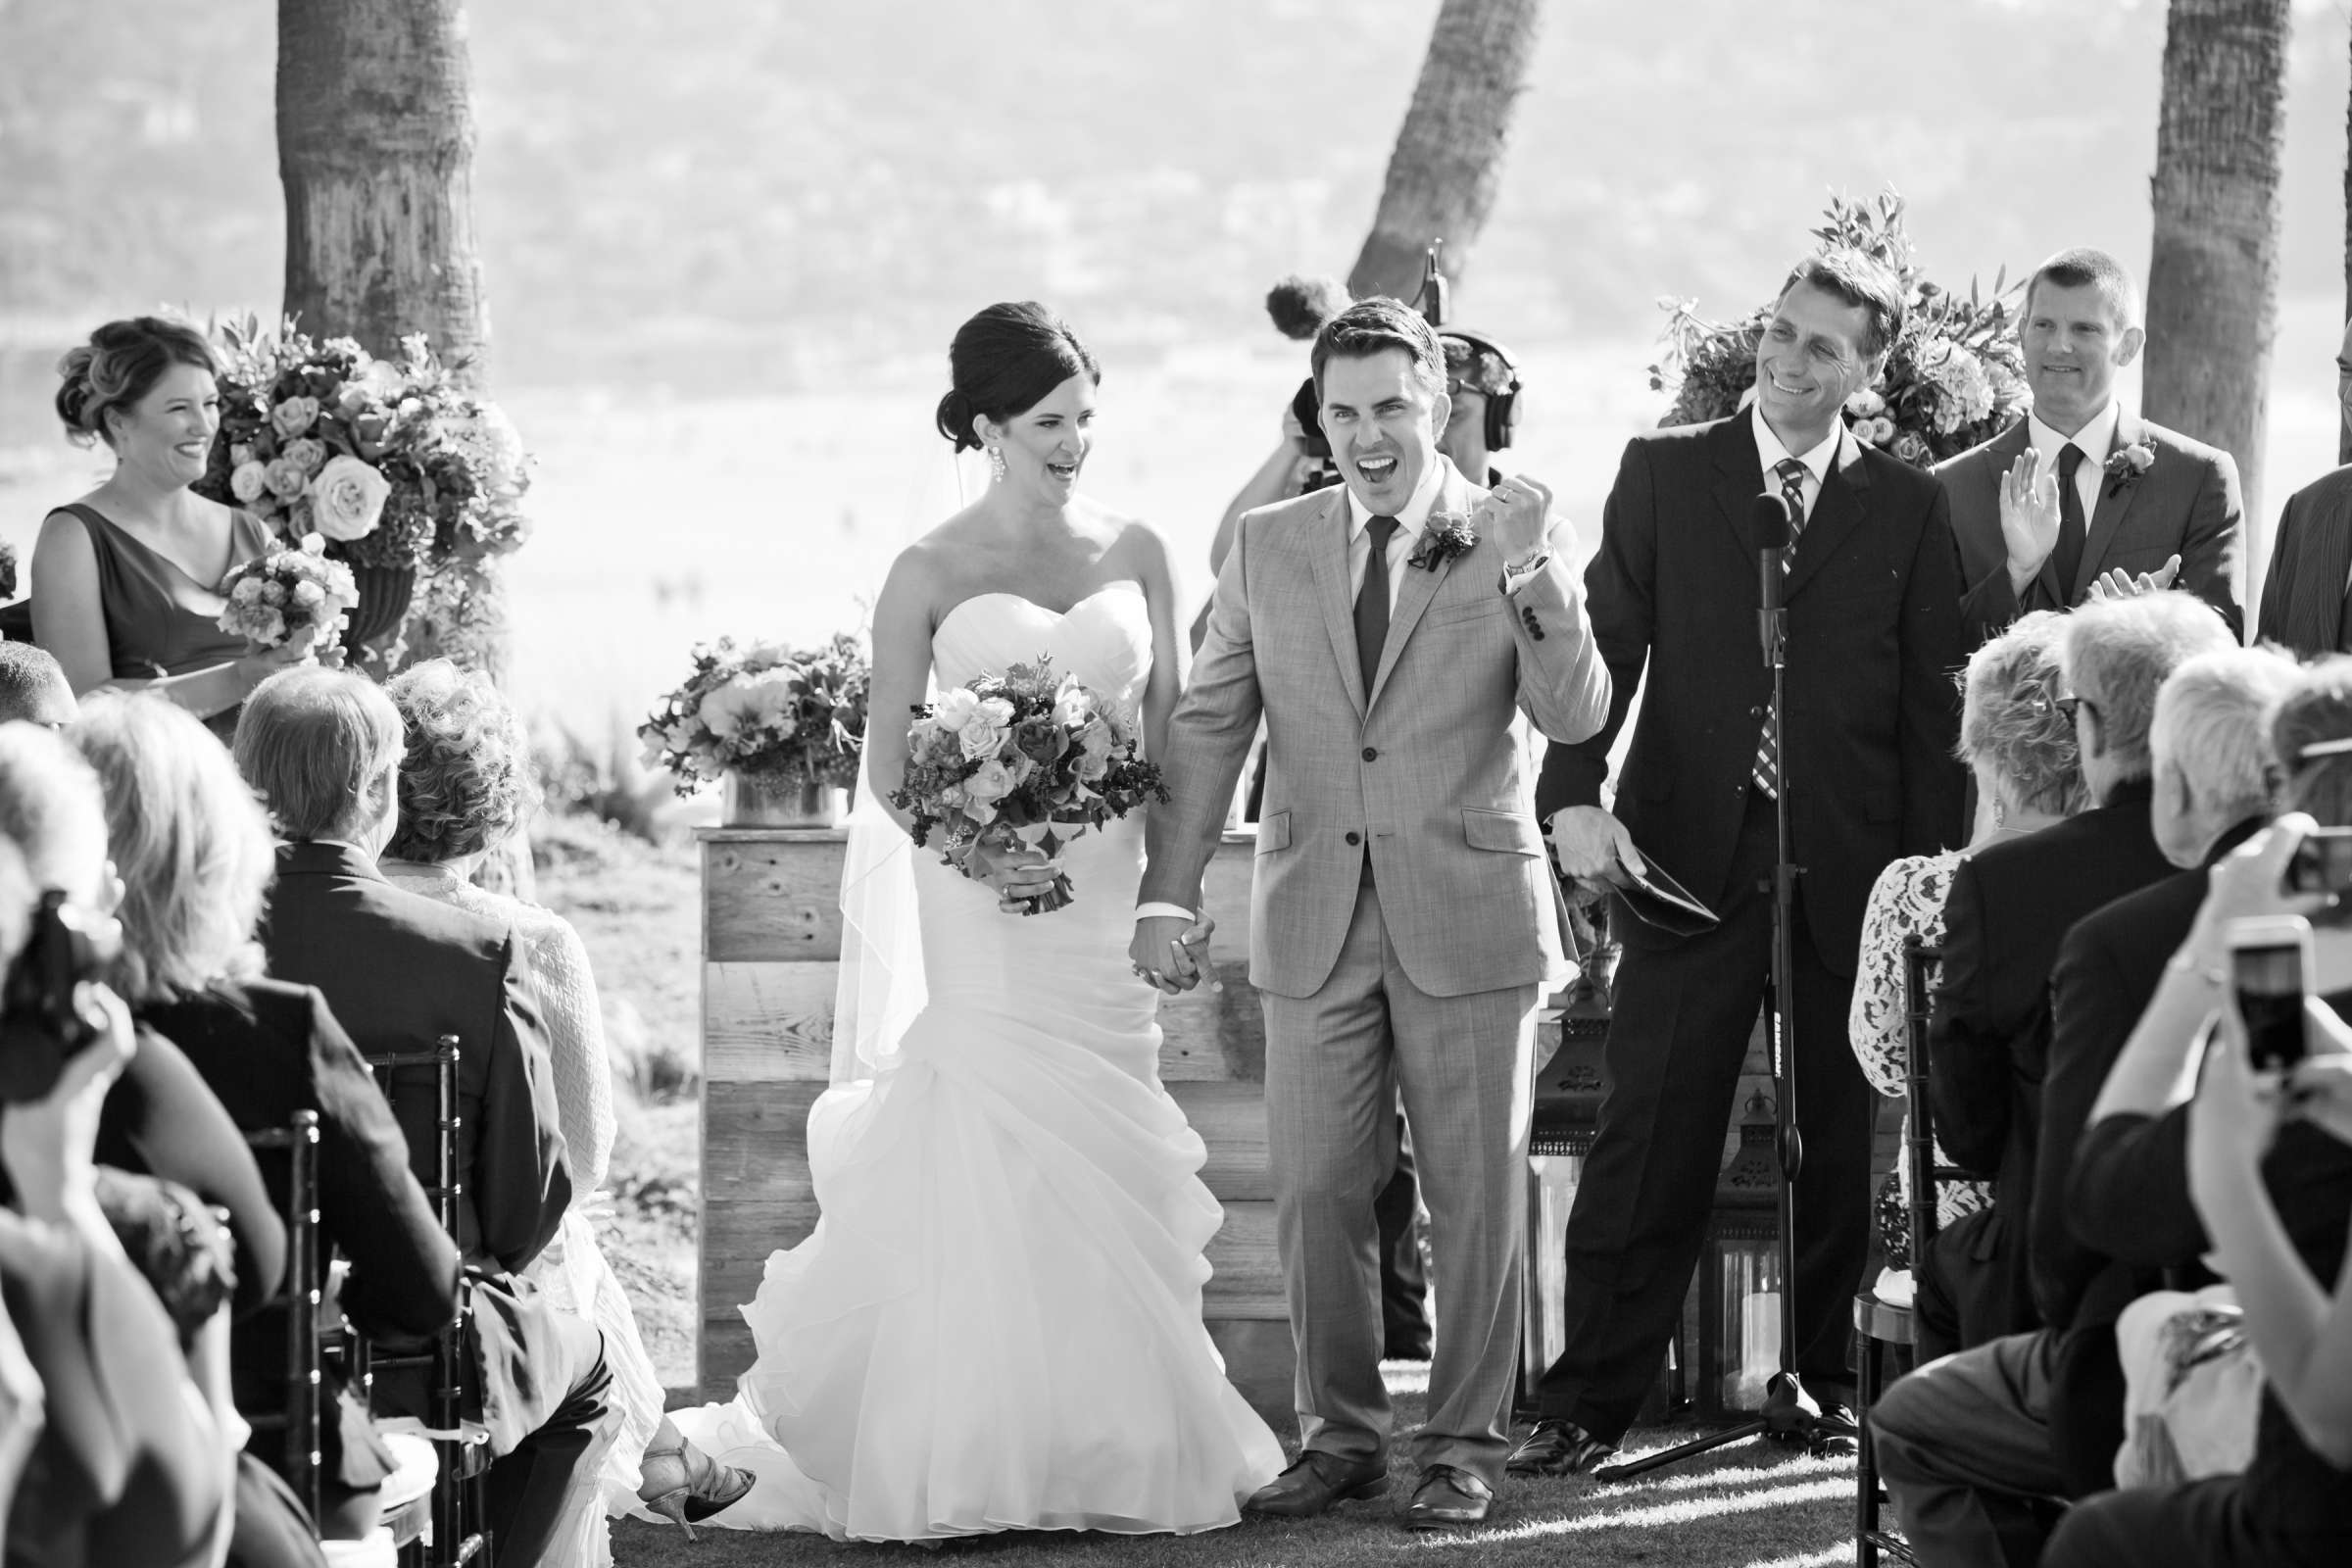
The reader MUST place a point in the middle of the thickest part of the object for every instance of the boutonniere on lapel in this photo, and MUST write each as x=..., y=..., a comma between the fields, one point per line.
x=1446, y=535
x=2124, y=466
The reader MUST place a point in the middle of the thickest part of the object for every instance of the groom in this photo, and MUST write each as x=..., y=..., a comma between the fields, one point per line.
x=1389, y=632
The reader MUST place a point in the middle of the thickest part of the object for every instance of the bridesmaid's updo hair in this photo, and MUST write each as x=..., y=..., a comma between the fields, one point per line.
x=121, y=365
x=1004, y=362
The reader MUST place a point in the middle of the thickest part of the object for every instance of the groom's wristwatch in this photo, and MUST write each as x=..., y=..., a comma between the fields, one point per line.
x=1518, y=571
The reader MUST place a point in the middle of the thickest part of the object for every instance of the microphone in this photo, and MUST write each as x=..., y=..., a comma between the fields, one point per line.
x=1774, y=526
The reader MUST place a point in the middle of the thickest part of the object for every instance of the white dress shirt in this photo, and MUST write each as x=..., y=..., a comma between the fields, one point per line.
x=1411, y=518
x=1817, y=462
x=2097, y=441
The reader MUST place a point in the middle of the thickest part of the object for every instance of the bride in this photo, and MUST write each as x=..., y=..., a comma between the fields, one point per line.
x=996, y=1324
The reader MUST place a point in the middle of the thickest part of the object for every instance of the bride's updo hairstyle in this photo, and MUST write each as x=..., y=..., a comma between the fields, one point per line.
x=1004, y=362
x=121, y=365
x=2311, y=740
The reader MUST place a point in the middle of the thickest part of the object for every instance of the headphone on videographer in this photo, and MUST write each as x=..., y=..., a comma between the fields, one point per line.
x=1432, y=300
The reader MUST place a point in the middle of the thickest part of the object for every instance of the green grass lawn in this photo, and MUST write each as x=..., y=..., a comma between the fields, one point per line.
x=1749, y=1506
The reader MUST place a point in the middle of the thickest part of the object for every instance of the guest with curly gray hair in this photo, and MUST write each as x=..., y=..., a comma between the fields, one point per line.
x=2021, y=748
x=466, y=786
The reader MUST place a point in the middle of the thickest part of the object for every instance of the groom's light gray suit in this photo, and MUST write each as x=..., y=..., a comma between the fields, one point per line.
x=1402, y=924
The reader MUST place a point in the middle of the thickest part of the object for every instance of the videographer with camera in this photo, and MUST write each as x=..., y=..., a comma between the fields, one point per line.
x=130, y=1465
x=2225, y=1130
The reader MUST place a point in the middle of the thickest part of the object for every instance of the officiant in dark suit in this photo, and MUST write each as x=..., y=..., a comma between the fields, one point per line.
x=2080, y=488
x=2304, y=596
x=1872, y=597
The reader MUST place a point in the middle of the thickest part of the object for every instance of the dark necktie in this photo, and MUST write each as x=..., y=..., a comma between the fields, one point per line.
x=1791, y=475
x=2067, y=559
x=1372, y=600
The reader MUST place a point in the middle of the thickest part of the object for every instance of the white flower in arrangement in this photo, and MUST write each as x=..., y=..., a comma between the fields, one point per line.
x=347, y=499
x=1964, y=390
x=980, y=738
x=308, y=595
x=248, y=481
x=752, y=705
x=956, y=708
x=1865, y=404
x=314, y=544
x=247, y=591
x=1073, y=705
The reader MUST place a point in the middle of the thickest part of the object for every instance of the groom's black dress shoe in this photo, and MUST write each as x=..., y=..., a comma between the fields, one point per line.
x=1316, y=1481
x=1557, y=1448
x=1448, y=1498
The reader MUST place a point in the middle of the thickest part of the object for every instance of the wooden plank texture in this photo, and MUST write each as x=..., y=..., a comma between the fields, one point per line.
x=1231, y=1119
x=773, y=897
x=765, y=1022
x=1248, y=1278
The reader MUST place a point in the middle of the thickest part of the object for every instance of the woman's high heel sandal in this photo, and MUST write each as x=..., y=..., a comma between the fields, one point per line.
x=684, y=1484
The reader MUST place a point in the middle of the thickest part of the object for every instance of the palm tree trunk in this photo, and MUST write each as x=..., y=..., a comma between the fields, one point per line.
x=1449, y=156
x=375, y=149
x=2213, y=275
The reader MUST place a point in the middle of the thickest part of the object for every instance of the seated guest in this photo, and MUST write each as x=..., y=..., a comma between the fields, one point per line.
x=2259, y=1175
x=161, y=1117
x=2212, y=755
x=126, y=580
x=1972, y=1444
x=32, y=688
x=193, y=849
x=323, y=748
x=2303, y=592
x=465, y=787
x=2079, y=493
x=2020, y=749
x=2010, y=906
x=128, y=1466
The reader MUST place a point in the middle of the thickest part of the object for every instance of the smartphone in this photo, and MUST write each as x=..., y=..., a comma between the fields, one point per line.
x=2270, y=962
x=2321, y=862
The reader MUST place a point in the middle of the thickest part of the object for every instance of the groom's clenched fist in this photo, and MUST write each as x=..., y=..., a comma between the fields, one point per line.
x=1167, y=951
x=1515, y=515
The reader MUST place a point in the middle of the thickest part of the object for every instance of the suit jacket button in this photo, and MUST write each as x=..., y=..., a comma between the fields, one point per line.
x=1371, y=752
x=1353, y=837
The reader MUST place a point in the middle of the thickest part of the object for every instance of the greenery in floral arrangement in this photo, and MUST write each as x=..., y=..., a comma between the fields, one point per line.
x=392, y=461
x=1954, y=377
x=790, y=715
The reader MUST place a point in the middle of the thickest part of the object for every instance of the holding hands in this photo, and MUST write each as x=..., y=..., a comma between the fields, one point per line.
x=1167, y=951
x=2029, y=517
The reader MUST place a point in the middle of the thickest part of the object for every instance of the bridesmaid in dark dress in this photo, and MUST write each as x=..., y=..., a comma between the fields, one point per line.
x=126, y=580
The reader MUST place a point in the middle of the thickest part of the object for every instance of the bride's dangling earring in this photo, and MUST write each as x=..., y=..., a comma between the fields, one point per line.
x=995, y=463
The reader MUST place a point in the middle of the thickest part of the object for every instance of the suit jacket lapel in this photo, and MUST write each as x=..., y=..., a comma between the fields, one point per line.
x=1739, y=479
x=1419, y=586
x=1329, y=553
x=2115, y=504
x=1837, y=512
x=2321, y=562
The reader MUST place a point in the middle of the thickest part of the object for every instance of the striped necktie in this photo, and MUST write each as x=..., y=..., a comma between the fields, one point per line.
x=1791, y=475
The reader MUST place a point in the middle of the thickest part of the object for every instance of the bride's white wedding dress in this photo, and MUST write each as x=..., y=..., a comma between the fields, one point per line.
x=996, y=1324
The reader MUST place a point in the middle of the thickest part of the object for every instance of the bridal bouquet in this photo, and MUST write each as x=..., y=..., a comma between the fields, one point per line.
x=997, y=759
x=784, y=715
x=1954, y=374
x=277, y=596
x=392, y=462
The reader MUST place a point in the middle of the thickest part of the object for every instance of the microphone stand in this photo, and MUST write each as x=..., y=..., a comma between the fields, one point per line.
x=1791, y=1416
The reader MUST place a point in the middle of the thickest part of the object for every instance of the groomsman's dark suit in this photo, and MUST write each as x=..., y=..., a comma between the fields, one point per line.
x=2311, y=567
x=1874, y=636
x=2186, y=505
x=400, y=971
x=2011, y=906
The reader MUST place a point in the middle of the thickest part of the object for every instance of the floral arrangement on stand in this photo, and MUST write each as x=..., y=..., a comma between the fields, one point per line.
x=392, y=462
x=289, y=594
x=1006, y=759
x=768, y=720
x=1954, y=376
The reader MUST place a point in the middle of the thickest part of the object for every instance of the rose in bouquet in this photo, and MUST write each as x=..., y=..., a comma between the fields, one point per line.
x=782, y=714
x=294, y=594
x=1954, y=374
x=1013, y=760
x=393, y=462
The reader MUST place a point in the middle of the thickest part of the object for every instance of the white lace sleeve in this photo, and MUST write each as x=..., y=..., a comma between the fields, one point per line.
x=1907, y=898
x=575, y=1033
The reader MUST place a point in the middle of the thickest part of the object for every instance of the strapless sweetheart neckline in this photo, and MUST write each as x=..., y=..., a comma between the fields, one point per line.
x=1123, y=585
